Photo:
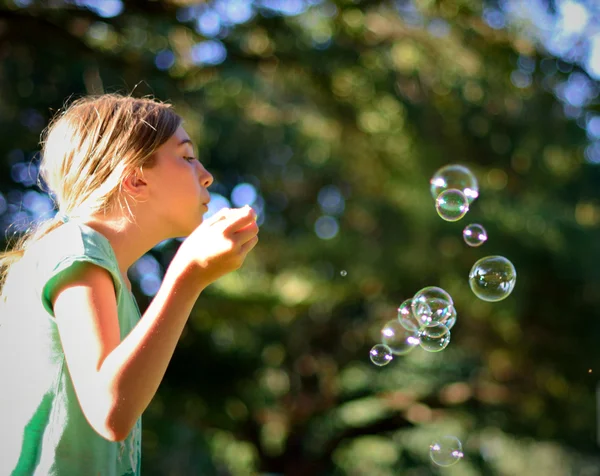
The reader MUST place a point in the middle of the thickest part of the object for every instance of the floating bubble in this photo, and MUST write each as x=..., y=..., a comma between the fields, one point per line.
x=343, y=273
x=406, y=317
x=451, y=205
x=398, y=338
x=475, y=235
x=456, y=177
x=432, y=305
x=449, y=323
x=446, y=451
x=435, y=311
x=435, y=332
x=381, y=355
x=492, y=278
x=435, y=338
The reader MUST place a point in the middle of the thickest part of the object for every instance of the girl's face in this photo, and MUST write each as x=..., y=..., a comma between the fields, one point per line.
x=177, y=185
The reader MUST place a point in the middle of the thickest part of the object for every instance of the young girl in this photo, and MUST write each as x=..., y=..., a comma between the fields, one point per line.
x=78, y=363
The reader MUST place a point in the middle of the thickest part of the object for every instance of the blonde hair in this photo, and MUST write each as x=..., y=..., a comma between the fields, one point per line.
x=88, y=150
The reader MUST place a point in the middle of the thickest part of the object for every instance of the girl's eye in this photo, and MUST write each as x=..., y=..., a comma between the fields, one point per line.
x=190, y=159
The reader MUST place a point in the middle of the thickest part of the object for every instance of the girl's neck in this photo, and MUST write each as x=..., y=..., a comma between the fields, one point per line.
x=127, y=241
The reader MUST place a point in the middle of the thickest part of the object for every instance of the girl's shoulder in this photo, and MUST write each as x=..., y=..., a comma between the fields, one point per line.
x=56, y=256
x=71, y=240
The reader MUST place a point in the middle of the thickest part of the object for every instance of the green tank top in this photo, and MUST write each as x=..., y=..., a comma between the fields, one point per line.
x=42, y=427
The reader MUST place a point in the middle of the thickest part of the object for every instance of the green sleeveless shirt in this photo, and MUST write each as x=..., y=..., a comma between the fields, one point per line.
x=42, y=427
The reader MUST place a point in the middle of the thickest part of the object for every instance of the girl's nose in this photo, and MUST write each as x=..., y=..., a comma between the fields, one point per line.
x=206, y=177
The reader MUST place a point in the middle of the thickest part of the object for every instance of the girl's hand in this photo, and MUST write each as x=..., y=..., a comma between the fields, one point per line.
x=219, y=245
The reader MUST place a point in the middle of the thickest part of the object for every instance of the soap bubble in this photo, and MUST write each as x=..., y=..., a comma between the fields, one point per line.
x=475, y=235
x=398, y=338
x=381, y=355
x=435, y=332
x=434, y=338
x=446, y=451
x=492, y=278
x=451, y=205
x=449, y=323
x=454, y=177
x=406, y=317
x=432, y=305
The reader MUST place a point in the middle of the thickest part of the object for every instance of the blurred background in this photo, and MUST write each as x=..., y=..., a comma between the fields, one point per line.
x=329, y=117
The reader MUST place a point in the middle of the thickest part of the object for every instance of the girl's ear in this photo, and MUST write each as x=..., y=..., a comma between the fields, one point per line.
x=135, y=184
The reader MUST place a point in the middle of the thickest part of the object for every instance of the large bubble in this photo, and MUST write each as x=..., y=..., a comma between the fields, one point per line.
x=398, y=338
x=432, y=305
x=456, y=177
x=492, y=278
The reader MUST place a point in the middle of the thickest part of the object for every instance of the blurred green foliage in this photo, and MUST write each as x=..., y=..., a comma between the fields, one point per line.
x=272, y=374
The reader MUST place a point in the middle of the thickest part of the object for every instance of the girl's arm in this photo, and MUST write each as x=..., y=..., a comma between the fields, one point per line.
x=115, y=381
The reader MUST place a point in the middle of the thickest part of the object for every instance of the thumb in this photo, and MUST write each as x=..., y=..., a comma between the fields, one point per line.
x=217, y=217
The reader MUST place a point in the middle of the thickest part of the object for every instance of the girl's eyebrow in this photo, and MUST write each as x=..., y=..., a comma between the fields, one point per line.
x=187, y=141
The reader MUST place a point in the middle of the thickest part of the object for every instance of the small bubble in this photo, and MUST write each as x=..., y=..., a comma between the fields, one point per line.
x=406, y=316
x=434, y=338
x=475, y=235
x=446, y=451
x=451, y=205
x=343, y=272
x=381, y=355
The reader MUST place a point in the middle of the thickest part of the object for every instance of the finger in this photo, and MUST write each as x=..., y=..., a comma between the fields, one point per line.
x=246, y=234
x=246, y=247
x=253, y=226
x=217, y=217
x=240, y=218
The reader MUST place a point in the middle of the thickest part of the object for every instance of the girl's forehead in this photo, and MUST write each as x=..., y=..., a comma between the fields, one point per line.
x=177, y=141
x=181, y=135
